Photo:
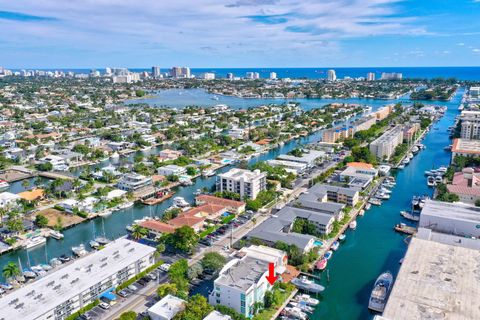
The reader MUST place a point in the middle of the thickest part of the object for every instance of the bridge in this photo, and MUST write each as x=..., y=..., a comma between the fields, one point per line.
x=56, y=175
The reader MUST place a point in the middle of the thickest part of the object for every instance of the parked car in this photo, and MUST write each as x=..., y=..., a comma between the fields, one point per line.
x=165, y=267
x=132, y=288
x=123, y=293
x=104, y=305
x=152, y=276
x=86, y=316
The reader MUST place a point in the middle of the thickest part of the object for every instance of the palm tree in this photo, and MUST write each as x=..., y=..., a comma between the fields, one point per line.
x=11, y=270
x=139, y=232
x=25, y=183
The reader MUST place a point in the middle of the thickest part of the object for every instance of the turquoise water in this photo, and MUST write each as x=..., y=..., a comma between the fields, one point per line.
x=318, y=243
x=374, y=247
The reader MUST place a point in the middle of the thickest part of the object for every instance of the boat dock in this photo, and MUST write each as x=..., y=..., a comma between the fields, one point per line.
x=55, y=175
x=14, y=174
x=154, y=201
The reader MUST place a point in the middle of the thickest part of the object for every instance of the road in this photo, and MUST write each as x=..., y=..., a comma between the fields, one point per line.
x=139, y=302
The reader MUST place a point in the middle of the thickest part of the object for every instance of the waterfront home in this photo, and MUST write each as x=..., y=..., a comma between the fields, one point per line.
x=58, y=163
x=309, y=157
x=64, y=291
x=8, y=199
x=167, y=308
x=68, y=205
x=133, y=182
x=279, y=258
x=241, y=284
x=348, y=196
x=109, y=170
x=244, y=182
x=115, y=194
x=466, y=185
x=466, y=148
x=118, y=146
x=358, y=174
x=32, y=195
x=171, y=169
x=232, y=206
x=289, y=166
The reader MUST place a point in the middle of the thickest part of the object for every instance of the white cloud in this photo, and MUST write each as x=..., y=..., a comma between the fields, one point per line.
x=179, y=26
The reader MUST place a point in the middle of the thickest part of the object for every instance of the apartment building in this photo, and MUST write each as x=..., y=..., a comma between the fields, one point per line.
x=465, y=147
x=244, y=182
x=384, y=146
x=71, y=287
x=470, y=121
x=384, y=112
x=333, y=135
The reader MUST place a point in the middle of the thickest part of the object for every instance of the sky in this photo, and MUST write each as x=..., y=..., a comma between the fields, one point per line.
x=238, y=33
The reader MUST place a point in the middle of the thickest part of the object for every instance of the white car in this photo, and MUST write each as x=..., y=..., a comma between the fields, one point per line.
x=165, y=267
x=104, y=305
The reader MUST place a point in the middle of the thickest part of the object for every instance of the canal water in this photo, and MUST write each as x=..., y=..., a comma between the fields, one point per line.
x=374, y=247
x=179, y=98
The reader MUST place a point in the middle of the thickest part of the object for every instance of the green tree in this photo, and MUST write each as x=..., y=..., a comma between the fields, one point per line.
x=138, y=232
x=184, y=239
x=11, y=270
x=178, y=274
x=213, y=261
x=197, y=308
x=165, y=289
x=41, y=221
x=194, y=271
x=129, y=315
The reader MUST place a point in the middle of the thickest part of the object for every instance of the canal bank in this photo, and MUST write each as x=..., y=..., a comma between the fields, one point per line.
x=374, y=247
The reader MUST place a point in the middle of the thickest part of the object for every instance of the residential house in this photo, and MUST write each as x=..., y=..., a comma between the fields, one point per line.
x=171, y=169
x=167, y=308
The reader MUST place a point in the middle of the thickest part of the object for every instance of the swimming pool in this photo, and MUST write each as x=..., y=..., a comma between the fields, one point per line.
x=318, y=243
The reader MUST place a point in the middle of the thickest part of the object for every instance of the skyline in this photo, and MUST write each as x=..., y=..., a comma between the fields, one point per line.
x=239, y=34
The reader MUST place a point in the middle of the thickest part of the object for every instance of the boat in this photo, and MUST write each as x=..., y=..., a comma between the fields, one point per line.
x=328, y=254
x=431, y=181
x=55, y=262
x=409, y=216
x=94, y=244
x=180, y=202
x=46, y=267
x=382, y=195
x=302, y=306
x=410, y=156
x=448, y=148
x=353, y=225
x=342, y=237
x=361, y=213
x=126, y=205
x=296, y=313
x=105, y=213
x=429, y=173
x=115, y=155
x=321, y=264
x=415, y=149
x=102, y=240
x=401, y=166
x=39, y=271
x=79, y=250
x=308, y=285
x=186, y=182
x=56, y=234
x=208, y=173
x=64, y=258
x=4, y=185
x=198, y=192
x=335, y=245
x=438, y=179
x=29, y=274
x=368, y=206
x=442, y=169
x=35, y=241
x=380, y=292
x=309, y=300
x=375, y=201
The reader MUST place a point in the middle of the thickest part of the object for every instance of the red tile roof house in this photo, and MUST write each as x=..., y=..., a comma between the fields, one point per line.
x=232, y=206
x=466, y=185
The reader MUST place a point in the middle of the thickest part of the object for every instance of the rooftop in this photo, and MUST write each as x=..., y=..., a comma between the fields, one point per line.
x=168, y=306
x=443, y=284
x=466, y=146
x=457, y=211
x=238, y=174
x=38, y=297
x=242, y=274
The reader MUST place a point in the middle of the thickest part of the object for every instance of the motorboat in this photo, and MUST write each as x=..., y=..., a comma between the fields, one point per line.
x=431, y=181
x=94, y=244
x=429, y=173
x=79, y=250
x=186, y=182
x=385, y=190
x=198, y=192
x=126, y=205
x=409, y=216
x=328, y=254
x=309, y=300
x=55, y=262
x=368, y=206
x=335, y=245
x=342, y=237
x=308, y=285
x=39, y=271
x=295, y=313
x=6, y=286
x=4, y=185
x=35, y=241
x=302, y=306
x=375, y=201
x=361, y=213
x=442, y=169
x=208, y=173
x=410, y=156
x=29, y=274
x=46, y=267
x=321, y=264
x=115, y=155
x=380, y=292
x=415, y=149
x=353, y=225
x=105, y=213
x=438, y=179
x=180, y=202
x=401, y=166
x=102, y=240
x=56, y=234
x=64, y=258
x=382, y=195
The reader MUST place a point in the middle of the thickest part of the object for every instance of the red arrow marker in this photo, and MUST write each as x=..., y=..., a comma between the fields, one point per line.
x=271, y=273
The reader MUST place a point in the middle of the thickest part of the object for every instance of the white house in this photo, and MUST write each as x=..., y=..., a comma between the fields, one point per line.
x=68, y=205
x=58, y=163
x=8, y=199
x=172, y=169
x=167, y=308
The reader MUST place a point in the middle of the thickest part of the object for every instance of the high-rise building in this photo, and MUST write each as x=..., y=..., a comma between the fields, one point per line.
x=230, y=76
x=180, y=72
x=186, y=72
x=370, y=76
x=470, y=124
x=273, y=75
x=108, y=71
x=209, y=76
x=244, y=182
x=391, y=76
x=252, y=75
x=331, y=75
x=156, y=72
x=384, y=146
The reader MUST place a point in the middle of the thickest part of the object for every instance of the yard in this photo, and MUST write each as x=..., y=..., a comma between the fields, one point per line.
x=54, y=216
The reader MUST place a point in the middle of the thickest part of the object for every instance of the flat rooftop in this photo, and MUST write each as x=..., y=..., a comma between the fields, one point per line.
x=436, y=281
x=457, y=211
x=38, y=297
x=237, y=174
x=244, y=273
x=466, y=146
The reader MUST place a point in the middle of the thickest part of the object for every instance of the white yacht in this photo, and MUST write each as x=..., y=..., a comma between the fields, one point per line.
x=180, y=202
x=208, y=173
x=4, y=185
x=431, y=181
x=79, y=250
x=353, y=225
x=56, y=234
x=35, y=241
x=126, y=205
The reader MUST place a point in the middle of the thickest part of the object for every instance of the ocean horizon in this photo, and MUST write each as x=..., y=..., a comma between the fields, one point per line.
x=459, y=73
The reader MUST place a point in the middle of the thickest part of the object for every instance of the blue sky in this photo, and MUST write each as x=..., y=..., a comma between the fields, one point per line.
x=239, y=33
